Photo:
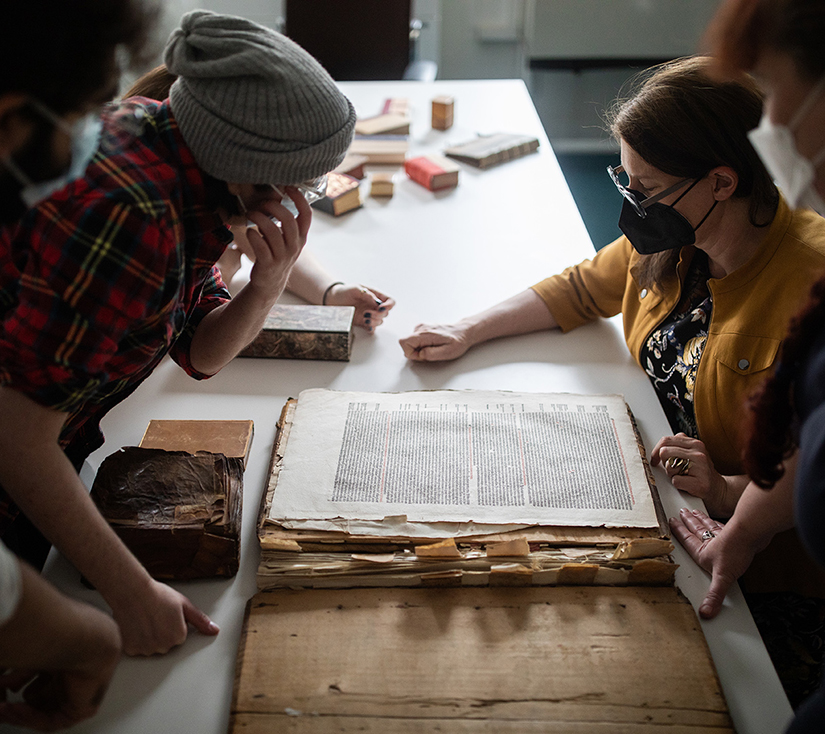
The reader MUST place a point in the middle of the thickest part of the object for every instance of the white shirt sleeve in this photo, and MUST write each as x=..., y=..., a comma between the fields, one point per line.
x=9, y=583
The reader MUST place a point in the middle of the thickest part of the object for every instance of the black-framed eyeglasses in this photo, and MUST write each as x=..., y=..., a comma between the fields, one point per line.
x=640, y=207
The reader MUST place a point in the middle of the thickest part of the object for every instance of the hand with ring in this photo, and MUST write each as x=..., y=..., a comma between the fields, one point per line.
x=690, y=469
x=717, y=549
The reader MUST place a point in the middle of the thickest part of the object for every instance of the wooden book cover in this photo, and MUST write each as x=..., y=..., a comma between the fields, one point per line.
x=333, y=557
x=568, y=660
x=179, y=513
x=343, y=195
x=381, y=149
x=490, y=150
x=232, y=438
x=305, y=332
x=433, y=172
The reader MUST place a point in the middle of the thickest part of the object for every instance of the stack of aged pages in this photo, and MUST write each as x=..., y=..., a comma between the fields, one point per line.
x=460, y=488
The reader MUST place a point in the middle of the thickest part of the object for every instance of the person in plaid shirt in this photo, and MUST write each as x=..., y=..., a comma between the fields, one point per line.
x=59, y=653
x=99, y=282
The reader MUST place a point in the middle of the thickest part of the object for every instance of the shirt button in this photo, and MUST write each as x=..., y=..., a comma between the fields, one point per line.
x=643, y=293
x=744, y=364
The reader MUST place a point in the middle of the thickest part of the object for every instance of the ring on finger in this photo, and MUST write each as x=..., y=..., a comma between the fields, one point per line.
x=708, y=534
x=678, y=465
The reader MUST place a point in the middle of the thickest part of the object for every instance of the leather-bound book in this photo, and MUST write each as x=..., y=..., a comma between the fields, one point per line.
x=305, y=332
x=179, y=513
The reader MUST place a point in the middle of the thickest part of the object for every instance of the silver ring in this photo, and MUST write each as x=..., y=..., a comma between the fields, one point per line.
x=708, y=534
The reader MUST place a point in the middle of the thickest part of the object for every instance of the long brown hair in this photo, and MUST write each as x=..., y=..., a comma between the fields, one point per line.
x=685, y=123
x=154, y=84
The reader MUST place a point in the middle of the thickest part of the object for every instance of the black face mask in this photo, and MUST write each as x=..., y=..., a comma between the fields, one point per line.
x=662, y=229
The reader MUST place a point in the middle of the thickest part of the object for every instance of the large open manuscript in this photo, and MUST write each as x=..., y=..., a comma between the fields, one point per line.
x=447, y=473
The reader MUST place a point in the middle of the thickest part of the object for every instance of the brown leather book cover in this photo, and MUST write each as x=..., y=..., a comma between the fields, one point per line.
x=228, y=437
x=179, y=513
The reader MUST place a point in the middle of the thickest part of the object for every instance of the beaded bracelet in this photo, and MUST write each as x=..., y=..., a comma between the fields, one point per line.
x=326, y=292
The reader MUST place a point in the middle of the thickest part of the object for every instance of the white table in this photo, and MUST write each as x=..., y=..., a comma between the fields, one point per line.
x=441, y=256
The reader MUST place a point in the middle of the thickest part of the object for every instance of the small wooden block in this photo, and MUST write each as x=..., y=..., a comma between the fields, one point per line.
x=433, y=172
x=381, y=185
x=442, y=112
x=230, y=438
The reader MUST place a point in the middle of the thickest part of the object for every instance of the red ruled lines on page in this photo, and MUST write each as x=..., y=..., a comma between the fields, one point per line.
x=386, y=455
x=624, y=461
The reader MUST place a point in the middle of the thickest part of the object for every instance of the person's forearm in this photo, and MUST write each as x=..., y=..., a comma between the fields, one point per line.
x=721, y=502
x=524, y=313
x=50, y=631
x=229, y=328
x=308, y=279
x=760, y=514
x=45, y=486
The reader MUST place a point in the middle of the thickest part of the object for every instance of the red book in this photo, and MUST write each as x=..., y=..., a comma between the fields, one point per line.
x=433, y=172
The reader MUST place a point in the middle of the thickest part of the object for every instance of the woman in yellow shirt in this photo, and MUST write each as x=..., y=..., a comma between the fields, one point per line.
x=711, y=267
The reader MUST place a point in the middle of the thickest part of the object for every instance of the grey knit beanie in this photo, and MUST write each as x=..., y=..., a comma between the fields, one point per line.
x=252, y=105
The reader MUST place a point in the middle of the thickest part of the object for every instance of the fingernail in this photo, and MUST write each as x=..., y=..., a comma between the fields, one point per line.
x=213, y=628
x=705, y=610
x=382, y=308
x=684, y=511
x=367, y=314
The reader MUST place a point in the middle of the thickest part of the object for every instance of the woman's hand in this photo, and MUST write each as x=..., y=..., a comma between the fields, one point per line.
x=718, y=550
x=691, y=470
x=371, y=305
x=157, y=619
x=276, y=245
x=436, y=342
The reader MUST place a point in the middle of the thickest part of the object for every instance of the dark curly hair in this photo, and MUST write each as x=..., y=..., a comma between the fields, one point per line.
x=67, y=53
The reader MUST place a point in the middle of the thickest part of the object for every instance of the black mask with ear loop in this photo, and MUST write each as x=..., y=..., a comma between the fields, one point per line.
x=663, y=228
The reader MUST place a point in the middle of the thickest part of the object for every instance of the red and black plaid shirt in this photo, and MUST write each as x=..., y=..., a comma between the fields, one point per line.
x=102, y=280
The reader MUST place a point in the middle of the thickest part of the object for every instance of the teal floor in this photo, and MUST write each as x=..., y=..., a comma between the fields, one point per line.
x=594, y=193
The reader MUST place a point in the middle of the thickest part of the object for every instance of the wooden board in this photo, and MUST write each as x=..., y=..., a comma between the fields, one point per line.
x=561, y=659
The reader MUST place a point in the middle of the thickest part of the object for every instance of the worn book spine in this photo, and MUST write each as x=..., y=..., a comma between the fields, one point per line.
x=275, y=344
x=509, y=153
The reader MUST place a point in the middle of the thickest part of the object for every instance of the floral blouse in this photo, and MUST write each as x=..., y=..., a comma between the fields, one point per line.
x=672, y=351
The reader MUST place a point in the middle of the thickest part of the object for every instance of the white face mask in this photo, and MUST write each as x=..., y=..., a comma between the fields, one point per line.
x=794, y=173
x=85, y=137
